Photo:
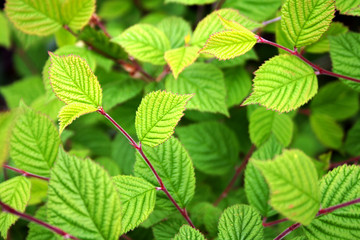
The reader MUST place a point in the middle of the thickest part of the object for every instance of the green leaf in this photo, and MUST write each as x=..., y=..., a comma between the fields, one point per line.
x=283, y=83
x=70, y=112
x=109, y=165
x=34, y=143
x=240, y=222
x=240, y=60
x=292, y=178
x=73, y=81
x=191, y=2
x=338, y=186
x=144, y=42
x=63, y=38
x=352, y=143
x=39, y=17
x=186, y=232
x=180, y=58
x=265, y=123
x=38, y=232
x=38, y=192
x=268, y=150
x=212, y=146
x=206, y=82
x=6, y=123
x=83, y=200
x=212, y=24
x=174, y=166
x=305, y=21
x=348, y=7
x=176, y=29
x=137, y=200
x=123, y=154
x=344, y=49
x=4, y=31
x=327, y=130
x=157, y=116
x=336, y=100
x=15, y=193
x=167, y=229
x=238, y=85
x=76, y=14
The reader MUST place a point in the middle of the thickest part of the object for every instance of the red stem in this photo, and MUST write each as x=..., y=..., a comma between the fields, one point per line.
x=318, y=69
x=265, y=224
x=288, y=231
x=138, y=147
x=7, y=208
x=236, y=175
x=26, y=174
x=351, y=160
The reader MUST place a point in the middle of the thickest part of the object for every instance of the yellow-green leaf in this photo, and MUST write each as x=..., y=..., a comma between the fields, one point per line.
x=178, y=59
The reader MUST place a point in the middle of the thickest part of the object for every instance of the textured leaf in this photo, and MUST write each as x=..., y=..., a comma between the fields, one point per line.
x=212, y=146
x=345, y=55
x=264, y=123
x=137, y=200
x=206, y=82
x=212, y=24
x=238, y=85
x=4, y=31
x=76, y=14
x=123, y=154
x=34, y=143
x=39, y=17
x=240, y=60
x=174, y=166
x=83, y=200
x=268, y=150
x=15, y=193
x=292, y=179
x=73, y=81
x=144, y=42
x=327, y=130
x=191, y=2
x=240, y=222
x=38, y=192
x=37, y=232
x=352, y=143
x=180, y=58
x=109, y=165
x=167, y=229
x=338, y=186
x=336, y=100
x=70, y=112
x=305, y=21
x=186, y=232
x=157, y=116
x=176, y=29
x=6, y=126
x=283, y=83
x=348, y=7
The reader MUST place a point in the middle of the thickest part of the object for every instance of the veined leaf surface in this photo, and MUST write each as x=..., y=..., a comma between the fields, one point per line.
x=176, y=29
x=348, y=7
x=283, y=83
x=180, y=58
x=76, y=13
x=186, y=232
x=37, y=232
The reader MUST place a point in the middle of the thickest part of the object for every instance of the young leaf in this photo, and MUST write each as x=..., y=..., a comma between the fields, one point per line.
x=305, y=21
x=292, y=179
x=76, y=14
x=37, y=232
x=240, y=222
x=137, y=200
x=83, y=200
x=180, y=58
x=176, y=29
x=283, y=83
x=338, y=186
x=174, y=166
x=327, y=130
x=212, y=146
x=345, y=49
x=238, y=85
x=207, y=84
x=264, y=123
x=186, y=232
x=39, y=17
x=158, y=114
x=15, y=193
x=144, y=42
x=348, y=7
x=34, y=143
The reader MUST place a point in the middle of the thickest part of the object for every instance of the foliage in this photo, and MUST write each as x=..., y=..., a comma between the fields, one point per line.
x=204, y=149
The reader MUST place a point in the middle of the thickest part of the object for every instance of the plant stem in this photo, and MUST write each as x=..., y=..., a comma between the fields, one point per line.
x=26, y=174
x=265, y=224
x=271, y=21
x=96, y=21
x=320, y=212
x=139, y=148
x=165, y=72
x=236, y=175
x=219, y=4
x=297, y=54
x=7, y=208
x=350, y=160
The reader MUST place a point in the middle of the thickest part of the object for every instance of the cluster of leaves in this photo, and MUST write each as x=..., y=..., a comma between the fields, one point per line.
x=147, y=189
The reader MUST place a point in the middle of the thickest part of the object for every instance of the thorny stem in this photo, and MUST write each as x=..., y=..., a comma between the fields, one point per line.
x=295, y=52
x=24, y=173
x=236, y=175
x=320, y=212
x=7, y=208
x=139, y=148
x=350, y=160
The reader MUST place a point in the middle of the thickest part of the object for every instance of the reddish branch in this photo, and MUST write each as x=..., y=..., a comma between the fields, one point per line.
x=236, y=175
x=7, y=208
x=351, y=160
x=295, y=52
x=26, y=174
x=139, y=148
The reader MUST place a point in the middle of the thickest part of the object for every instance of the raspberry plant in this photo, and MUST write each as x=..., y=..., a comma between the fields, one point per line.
x=149, y=125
